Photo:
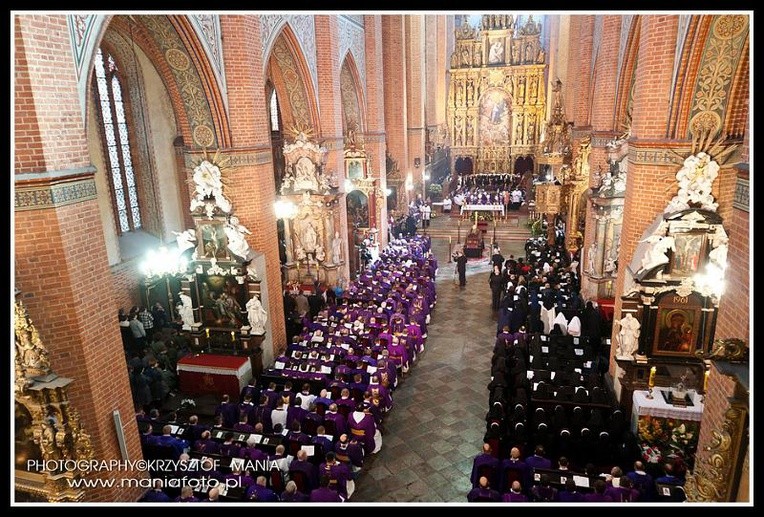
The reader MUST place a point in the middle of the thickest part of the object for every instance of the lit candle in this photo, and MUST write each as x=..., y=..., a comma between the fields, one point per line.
x=207, y=331
x=449, y=239
x=651, y=380
x=233, y=336
x=705, y=380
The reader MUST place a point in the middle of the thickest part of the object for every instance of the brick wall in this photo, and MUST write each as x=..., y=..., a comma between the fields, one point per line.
x=60, y=254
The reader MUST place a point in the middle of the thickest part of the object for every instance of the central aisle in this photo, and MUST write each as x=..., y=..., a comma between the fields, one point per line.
x=437, y=424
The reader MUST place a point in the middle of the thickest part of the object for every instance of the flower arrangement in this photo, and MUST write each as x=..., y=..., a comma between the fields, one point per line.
x=665, y=438
x=187, y=404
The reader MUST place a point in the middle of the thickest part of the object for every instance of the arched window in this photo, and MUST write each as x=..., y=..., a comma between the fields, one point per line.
x=115, y=133
x=274, y=104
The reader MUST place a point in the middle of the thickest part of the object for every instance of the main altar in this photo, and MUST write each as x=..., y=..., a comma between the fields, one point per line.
x=497, y=99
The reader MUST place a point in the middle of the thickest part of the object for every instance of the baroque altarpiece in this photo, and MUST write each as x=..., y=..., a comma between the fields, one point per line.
x=497, y=95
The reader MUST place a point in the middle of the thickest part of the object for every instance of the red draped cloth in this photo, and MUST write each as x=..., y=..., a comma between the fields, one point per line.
x=202, y=374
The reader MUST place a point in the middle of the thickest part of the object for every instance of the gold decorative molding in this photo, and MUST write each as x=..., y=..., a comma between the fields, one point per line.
x=732, y=349
x=711, y=481
x=50, y=440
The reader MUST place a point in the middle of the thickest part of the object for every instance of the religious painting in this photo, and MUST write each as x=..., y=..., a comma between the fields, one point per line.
x=355, y=169
x=358, y=209
x=221, y=299
x=305, y=175
x=212, y=240
x=688, y=257
x=676, y=330
x=496, y=52
x=494, y=118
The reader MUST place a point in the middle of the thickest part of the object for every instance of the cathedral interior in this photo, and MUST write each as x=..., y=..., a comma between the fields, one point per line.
x=214, y=213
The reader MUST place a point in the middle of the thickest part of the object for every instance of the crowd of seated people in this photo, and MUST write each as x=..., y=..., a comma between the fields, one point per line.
x=304, y=430
x=554, y=431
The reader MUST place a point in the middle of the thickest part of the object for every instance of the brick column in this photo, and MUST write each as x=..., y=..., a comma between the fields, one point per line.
x=60, y=255
x=375, y=115
x=393, y=59
x=252, y=188
x=415, y=91
x=734, y=307
x=603, y=106
x=650, y=176
x=330, y=103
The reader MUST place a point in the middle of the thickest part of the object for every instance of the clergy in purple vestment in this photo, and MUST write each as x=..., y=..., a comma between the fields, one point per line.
x=324, y=494
x=483, y=493
x=338, y=473
x=337, y=420
x=515, y=494
x=363, y=428
x=485, y=464
x=349, y=451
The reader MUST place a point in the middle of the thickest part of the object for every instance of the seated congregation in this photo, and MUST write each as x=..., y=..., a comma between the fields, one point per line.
x=304, y=429
x=554, y=432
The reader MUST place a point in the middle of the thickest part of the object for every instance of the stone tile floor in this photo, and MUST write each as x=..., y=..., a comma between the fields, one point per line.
x=437, y=423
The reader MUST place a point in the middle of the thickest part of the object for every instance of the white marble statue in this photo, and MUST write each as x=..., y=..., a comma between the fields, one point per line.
x=591, y=257
x=309, y=238
x=337, y=248
x=718, y=255
x=256, y=315
x=305, y=175
x=628, y=335
x=236, y=242
x=656, y=254
x=695, y=180
x=186, y=311
x=185, y=240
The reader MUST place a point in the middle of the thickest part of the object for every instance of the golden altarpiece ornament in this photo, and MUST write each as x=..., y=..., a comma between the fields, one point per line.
x=49, y=437
x=497, y=95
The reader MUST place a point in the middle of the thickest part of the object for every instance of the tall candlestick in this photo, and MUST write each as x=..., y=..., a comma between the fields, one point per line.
x=207, y=331
x=449, y=239
x=651, y=380
x=233, y=336
x=705, y=380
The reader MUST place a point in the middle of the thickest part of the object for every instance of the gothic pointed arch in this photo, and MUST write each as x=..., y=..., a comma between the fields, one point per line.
x=288, y=71
x=353, y=114
x=627, y=74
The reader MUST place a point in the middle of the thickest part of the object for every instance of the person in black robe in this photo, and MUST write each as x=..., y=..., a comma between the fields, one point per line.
x=461, y=267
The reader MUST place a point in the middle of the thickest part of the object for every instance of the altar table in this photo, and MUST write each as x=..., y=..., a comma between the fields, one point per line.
x=202, y=374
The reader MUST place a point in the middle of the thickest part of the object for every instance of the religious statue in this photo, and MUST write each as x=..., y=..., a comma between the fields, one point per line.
x=305, y=175
x=519, y=130
x=459, y=93
x=656, y=254
x=470, y=131
x=591, y=257
x=470, y=91
x=256, y=315
x=466, y=57
x=186, y=311
x=532, y=88
x=521, y=89
x=309, y=238
x=496, y=53
x=337, y=248
x=185, y=240
x=516, y=53
x=531, y=131
x=628, y=335
x=477, y=59
x=454, y=60
x=718, y=255
x=237, y=244
x=458, y=130
x=528, y=53
x=541, y=56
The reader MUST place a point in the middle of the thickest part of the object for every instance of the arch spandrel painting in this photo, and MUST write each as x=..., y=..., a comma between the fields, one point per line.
x=494, y=118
